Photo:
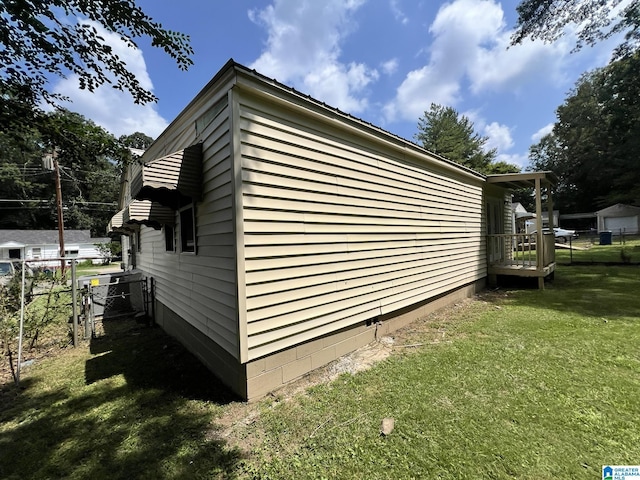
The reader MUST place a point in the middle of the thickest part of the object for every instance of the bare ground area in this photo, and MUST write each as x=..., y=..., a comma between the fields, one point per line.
x=237, y=425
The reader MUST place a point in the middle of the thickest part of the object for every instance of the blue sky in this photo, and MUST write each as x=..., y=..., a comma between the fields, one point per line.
x=384, y=61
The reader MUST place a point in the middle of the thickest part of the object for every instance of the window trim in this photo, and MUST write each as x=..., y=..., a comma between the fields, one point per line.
x=182, y=213
x=166, y=228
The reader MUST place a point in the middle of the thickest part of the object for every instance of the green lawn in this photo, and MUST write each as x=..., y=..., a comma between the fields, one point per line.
x=517, y=384
x=588, y=251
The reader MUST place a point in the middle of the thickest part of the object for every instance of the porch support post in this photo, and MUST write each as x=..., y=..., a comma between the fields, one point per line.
x=552, y=223
x=540, y=246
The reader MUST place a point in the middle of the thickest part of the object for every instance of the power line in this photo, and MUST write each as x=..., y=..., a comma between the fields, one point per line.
x=51, y=201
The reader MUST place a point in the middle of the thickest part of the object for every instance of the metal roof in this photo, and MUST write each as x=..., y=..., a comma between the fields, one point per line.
x=48, y=237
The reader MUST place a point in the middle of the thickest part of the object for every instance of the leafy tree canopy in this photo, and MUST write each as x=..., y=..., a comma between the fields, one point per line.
x=45, y=38
x=596, y=20
x=137, y=140
x=90, y=160
x=442, y=130
x=594, y=144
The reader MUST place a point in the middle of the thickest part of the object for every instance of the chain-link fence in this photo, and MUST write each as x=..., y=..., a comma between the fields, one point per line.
x=34, y=296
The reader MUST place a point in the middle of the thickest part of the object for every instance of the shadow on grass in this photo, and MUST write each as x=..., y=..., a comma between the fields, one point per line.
x=149, y=358
x=592, y=291
x=145, y=408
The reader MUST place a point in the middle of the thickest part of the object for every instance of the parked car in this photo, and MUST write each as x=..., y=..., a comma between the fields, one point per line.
x=11, y=268
x=562, y=235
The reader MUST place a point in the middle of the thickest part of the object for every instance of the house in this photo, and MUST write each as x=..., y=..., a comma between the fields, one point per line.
x=531, y=224
x=40, y=245
x=619, y=219
x=282, y=233
x=519, y=217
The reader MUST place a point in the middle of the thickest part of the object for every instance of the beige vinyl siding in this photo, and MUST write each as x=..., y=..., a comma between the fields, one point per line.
x=201, y=287
x=338, y=229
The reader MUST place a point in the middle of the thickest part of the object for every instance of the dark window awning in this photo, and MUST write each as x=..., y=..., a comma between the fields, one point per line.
x=116, y=224
x=173, y=180
x=146, y=212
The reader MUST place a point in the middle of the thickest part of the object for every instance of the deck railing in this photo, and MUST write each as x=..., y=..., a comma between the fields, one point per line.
x=520, y=250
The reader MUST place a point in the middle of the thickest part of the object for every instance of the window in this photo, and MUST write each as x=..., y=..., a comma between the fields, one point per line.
x=169, y=238
x=36, y=252
x=71, y=252
x=187, y=230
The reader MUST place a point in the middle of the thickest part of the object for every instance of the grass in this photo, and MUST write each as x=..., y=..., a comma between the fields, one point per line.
x=518, y=384
x=593, y=252
x=132, y=405
x=534, y=385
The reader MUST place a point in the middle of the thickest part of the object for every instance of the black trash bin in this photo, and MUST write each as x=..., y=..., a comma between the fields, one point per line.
x=605, y=237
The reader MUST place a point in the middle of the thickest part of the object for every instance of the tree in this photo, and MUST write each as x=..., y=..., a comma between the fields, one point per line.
x=137, y=140
x=90, y=161
x=41, y=38
x=594, y=144
x=596, y=20
x=442, y=130
x=109, y=251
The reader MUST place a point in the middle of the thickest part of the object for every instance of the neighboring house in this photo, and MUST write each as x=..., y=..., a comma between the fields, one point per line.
x=520, y=217
x=619, y=219
x=282, y=234
x=44, y=245
x=531, y=223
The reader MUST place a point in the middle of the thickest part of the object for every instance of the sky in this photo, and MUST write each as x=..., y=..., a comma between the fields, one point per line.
x=384, y=61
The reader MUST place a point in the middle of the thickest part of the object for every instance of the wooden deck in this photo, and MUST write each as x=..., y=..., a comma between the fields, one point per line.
x=517, y=255
x=521, y=270
x=524, y=255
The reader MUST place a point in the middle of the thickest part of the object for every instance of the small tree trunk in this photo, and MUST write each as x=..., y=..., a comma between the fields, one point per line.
x=13, y=371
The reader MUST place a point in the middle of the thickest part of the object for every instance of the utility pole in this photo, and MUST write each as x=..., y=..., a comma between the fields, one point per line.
x=56, y=169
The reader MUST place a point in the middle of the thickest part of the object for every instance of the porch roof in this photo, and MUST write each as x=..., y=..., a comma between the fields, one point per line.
x=523, y=180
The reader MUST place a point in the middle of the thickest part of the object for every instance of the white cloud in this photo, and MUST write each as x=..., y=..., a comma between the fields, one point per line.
x=504, y=67
x=517, y=159
x=499, y=137
x=546, y=130
x=304, y=46
x=113, y=109
x=470, y=41
x=390, y=66
x=398, y=13
x=418, y=90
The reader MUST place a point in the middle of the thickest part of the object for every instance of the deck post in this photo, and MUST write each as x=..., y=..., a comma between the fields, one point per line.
x=539, y=233
x=552, y=223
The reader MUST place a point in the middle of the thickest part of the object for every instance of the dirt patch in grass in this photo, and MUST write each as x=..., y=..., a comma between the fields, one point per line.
x=238, y=424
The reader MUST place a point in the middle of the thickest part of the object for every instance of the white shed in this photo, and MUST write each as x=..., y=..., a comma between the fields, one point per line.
x=619, y=219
